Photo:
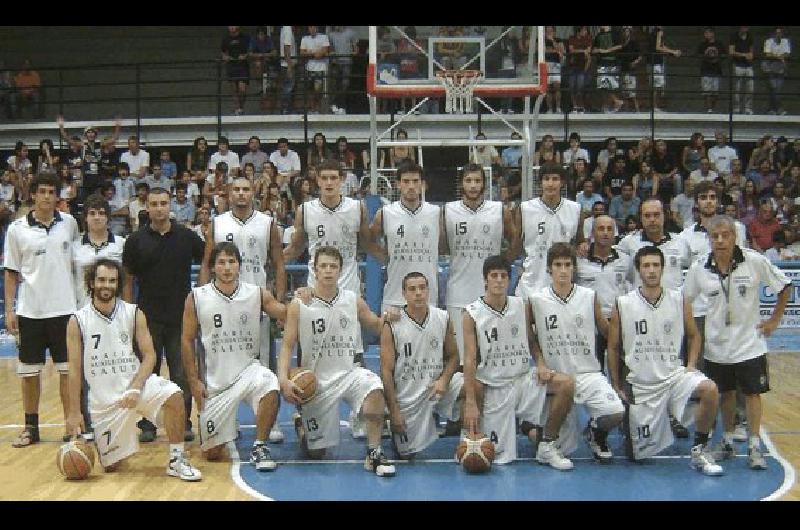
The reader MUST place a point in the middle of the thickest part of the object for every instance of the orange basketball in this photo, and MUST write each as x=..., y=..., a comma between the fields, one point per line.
x=75, y=460
x=475, y=453
x=306, y=380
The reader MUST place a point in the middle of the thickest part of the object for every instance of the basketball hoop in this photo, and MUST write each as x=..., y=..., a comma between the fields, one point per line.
x=459, y=86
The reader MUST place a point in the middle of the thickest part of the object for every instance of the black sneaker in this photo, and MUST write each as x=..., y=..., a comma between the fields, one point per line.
x=261, y=458
x=598, y=443
x=377, y=462
x=678, y=430
x=298, y=428
x=147, y=436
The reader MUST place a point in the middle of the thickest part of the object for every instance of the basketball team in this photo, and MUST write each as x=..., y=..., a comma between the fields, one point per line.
x=608, y=325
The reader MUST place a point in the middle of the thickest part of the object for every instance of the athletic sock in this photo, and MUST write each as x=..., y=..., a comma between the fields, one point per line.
x=700, y=438
x=259, y=442
x=175, y=449
x=755, y=441
x=727, y=437
x=32, y=420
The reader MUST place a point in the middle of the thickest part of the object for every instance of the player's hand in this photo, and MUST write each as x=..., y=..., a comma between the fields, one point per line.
x=437, y=390
x=544, y=374
x=292, y=393
x=767, y=327
x=397, y=423
x=391, y=315
x=305, y=294
x=130, y=398
x=691, y=368
x=622, y=395
x=12, y=324
x=583, y=249
x=199, y=393
x=75, y=424
x=471, y=415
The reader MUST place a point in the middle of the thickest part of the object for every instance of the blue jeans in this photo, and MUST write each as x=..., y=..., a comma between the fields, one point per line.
x=287, y=88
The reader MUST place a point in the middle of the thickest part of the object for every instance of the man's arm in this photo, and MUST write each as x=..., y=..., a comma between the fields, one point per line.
x=388, y=360
x=766, y=327
x=450, y=356
x=515, y=245
x=278, y=263
x=290, y=391
x=600, y=320
x=205, y=267
x=510, y=233
x=11, y=281
x=271, y=306
x=368, y=319
x=471, y=412
x=444, y=246
x=145, y=343
x=613, y=352
x=693, y=344
x=188, y=334
x=75, y=421
x=298, y=239
x=368, y=243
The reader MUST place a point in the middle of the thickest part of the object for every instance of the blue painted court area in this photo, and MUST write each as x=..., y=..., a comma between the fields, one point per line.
x=435, y=476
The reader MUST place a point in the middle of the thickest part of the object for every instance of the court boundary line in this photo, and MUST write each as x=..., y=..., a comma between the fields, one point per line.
x=788, y=469
x=236, y=475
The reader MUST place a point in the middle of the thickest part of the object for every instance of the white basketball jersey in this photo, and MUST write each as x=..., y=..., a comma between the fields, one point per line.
x=337, y=227
x=412, y=242
x=651, y=335
x=472, y=236
x=566, y=329
x=84, y=254
x=541, y=227
x=419, y=353
x=229, y=330
x=109, y=362
x=330, y=336
x=252, y=237
x=502, y=340
x=677, y=256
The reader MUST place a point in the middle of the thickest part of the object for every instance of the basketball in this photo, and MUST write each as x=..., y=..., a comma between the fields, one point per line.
x=306, y=380
x=75, y=460
x=475, y=453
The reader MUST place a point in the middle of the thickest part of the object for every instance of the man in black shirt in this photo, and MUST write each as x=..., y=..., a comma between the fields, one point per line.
x=160, y=256
x=741, y=51
x=91, y=152
x=616, y=176
x=711, y=53
x=664, y=166
x=235, y=46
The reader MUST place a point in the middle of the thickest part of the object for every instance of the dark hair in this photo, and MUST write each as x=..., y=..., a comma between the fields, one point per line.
x=45, y=178
x=158, y=190
x=704, y=187
x=633, y=218
x=91, y=274
x=329, y=165
x=254, y=137
x=97, y=202
x=181, y=186
x=575, y=136
x=494, y=263
x=140, y=185
x=226, y=247
x=221, y=166
x=196, y=143
x=609, y=139
x=125, y=166
x=49, y=143
x=223, y=140
x=409, y=166
x=561, y=250
x=327, y=250
x=649, y=250
x=283, y=141
x=133, y=137
x=411, y=276
x=551, y=168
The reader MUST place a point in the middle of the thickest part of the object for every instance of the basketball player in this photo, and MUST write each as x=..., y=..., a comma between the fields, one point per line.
x=649, y=324
x=735, y=344
x=259, y=242
x=497, y=365
x=604, y=270
x=100, y=340
x=418, y=367
x=329, y=331
x=568, y=317
x=226, y=311
x=474, y=229
x=541, y=222
x=411, y=228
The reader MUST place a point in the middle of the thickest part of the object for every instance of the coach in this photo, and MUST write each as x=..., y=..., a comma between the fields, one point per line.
x=160, y=256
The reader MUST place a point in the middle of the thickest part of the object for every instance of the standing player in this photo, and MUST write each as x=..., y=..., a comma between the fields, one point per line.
x=541, y=222
x=605, y=271
x=497, y=366
x=649, y=325
x=568, y=317
x=329, y=332
x=100, y=339
x=735, y=345
x=411, y=228
x=227, y=311
x=259, y=242
x=38, y=259
x=418, y=367
x=474, y=229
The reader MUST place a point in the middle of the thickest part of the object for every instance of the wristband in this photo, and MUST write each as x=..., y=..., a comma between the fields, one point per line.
x=131, y=391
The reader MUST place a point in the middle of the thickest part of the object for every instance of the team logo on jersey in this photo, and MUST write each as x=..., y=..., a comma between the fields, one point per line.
x=434, y=343
x=742, y=290
x=514, y=330
x=243, y=318
x=610, y=396
x=579, y=321
x=668, y=327
x=673, y=261
x=486, y=229
x=229, y=238
x=563, y=231
x=124, y=338
x=426, y=231
x=345, y=229
x=343, y=322
x=65, y=246
x=619, y=278
x=251, y=241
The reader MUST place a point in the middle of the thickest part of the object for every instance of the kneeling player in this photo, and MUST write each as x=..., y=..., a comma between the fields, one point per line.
x=497, y=354
x=567, y=318
x=650, y=323
x=329, y=333
x=228, y=312
x=419, y=359
x=100, y=338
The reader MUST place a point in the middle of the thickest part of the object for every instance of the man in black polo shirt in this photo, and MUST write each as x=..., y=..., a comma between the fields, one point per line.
x=160, y=256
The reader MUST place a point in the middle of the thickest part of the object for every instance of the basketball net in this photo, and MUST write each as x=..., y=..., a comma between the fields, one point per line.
x=459, y=86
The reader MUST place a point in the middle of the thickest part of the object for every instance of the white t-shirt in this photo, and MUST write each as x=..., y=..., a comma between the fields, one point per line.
x=568, y=157
x=483, y=158
x=284, y=164
x=230, y=158
x=696, y=176
x=343, y=42
x=773, y=47
x=721, y=158
x=136, y=162
x=287, y=39
x=315, y=44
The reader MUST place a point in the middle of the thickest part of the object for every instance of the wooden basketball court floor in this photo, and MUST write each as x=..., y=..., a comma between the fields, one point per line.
x=31, y=472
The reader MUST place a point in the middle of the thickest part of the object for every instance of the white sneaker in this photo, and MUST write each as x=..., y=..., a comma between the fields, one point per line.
x=702, y=461
x=334, y=109
x=740, y=433
x=260, y=457
x=377, y=462
x=276, y=434
x=357, y=427
x=179, y=466
x=550, y=454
